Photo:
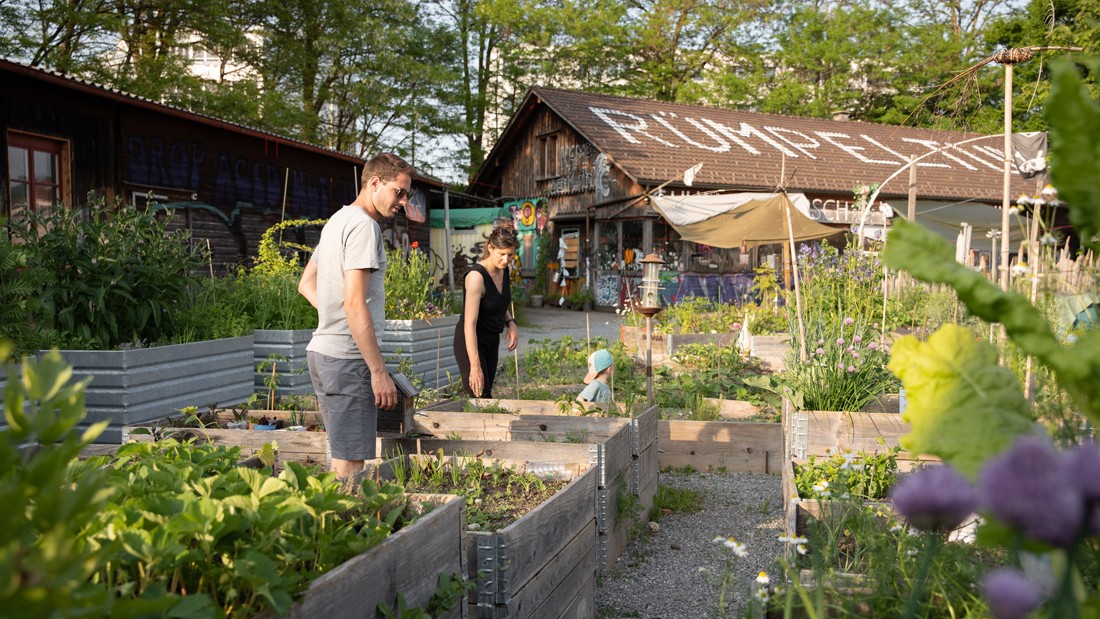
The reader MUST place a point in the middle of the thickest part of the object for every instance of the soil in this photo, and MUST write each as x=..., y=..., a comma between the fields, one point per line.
x=492, y=504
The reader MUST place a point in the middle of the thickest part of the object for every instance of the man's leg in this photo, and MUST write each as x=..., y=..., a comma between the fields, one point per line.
x=347, y=406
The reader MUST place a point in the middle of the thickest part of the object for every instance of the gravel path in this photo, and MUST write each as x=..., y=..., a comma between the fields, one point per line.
x=677, y=572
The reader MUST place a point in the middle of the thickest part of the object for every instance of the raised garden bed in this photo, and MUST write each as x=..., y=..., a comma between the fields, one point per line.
x=625, y=452
x=136, y=386
x=307, y=447
x=544, y=564
x=426, y=345
x=749, y=447
x=287, y=348
x=355, y=588
x=666, y=344
x=818, y=433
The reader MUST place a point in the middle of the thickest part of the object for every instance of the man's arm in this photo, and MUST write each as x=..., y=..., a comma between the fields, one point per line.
x=356, y=282
x=307, y=285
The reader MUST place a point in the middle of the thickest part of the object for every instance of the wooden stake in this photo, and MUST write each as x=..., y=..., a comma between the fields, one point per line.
x=588, y=332
x=516, y=351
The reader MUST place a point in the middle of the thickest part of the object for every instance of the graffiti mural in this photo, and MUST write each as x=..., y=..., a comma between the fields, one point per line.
x=529, y=216
x=228, y=180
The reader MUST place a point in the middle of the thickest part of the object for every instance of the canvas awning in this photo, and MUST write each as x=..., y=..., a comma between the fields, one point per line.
x=733, y=220
x=946, y=218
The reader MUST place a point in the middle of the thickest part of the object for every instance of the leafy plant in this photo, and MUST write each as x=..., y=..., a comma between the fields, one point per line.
x=845, y=369
x=856, y=476
x=109, y=275
x=409, y=286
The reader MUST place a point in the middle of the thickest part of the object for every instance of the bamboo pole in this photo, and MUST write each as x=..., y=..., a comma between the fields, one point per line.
x=516, y=351
x=797, y=286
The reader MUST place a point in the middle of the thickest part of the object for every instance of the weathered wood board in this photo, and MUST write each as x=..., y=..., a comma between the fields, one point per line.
x=354, y=589
x=712, y=445
x=308, y=448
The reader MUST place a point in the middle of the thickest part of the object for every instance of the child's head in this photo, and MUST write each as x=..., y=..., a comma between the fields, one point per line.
x=599, y=364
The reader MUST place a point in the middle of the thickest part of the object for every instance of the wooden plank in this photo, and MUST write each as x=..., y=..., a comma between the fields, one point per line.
x=734, y=409
x=832, y=431
x=709, y=445
x=535, y=453
x=354, y=588
x=537, y=537
x=618, y=460
x=561, y=580
x=519, y=407
x=648, y=472
x=646, y=423
x=583, y=605
x=304, y=447
x=617, y=527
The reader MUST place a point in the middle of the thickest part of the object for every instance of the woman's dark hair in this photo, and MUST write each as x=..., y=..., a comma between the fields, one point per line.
x=503, y=236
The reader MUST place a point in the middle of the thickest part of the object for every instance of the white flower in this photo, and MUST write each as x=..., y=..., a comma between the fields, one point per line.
x=1049, y=239
x=762, y=595
x=737, y=548
x=762, y=578
x=801, y=548
x=897, y=527
x=1020, y=269
x=912, y=552
x=1014, y=210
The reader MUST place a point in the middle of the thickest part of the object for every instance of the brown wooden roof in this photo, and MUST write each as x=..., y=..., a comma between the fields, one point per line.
x=654, y=142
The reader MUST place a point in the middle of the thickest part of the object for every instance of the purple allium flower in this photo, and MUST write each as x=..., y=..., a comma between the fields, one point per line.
x=1011, y=595
x=821, y=342
x=840, y=366
x=839, y=341
x=874, y=326
x=851, y=368
x=857, y=339
x=935, y=499
x=873, y=346
x=1026, y=487
x=855, y=355
x=850, y=349
x=820, y=351
x=849, y=321
x=1083, y=462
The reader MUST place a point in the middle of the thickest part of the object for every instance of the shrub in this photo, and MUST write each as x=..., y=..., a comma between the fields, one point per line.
x=109, y=275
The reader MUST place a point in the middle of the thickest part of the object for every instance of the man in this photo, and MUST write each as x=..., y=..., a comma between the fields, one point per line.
x=344, y=281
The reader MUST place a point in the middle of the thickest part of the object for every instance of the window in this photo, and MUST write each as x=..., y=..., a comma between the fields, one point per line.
x=548, y=162
x=34, y=171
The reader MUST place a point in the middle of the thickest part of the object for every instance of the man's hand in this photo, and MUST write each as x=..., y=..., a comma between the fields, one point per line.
x=385, y=392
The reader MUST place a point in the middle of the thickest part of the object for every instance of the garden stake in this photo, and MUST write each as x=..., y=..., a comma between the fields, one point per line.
x=516, y=351
x=588, y=331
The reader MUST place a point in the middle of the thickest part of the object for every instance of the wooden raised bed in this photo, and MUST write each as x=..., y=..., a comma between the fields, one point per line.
x=818, y=433
x=408, y=562
x=625, y=454
x=544, y=564
x=306, y=447
x=714, y=445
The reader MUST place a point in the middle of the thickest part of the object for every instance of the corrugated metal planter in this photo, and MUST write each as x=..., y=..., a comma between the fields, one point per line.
x=289, y=348
x=427, y=344
x=131, y=387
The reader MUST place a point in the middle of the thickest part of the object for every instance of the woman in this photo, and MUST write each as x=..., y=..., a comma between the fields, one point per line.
x=485, y=314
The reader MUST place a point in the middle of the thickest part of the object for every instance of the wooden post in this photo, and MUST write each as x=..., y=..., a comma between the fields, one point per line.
x=911, y=210
x=1007, y=179
x=516, y=351
x=797, y=288
x=649, y=360
x=449, y=258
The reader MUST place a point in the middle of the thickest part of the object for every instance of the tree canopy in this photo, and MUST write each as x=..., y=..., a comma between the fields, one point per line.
x=437, y=81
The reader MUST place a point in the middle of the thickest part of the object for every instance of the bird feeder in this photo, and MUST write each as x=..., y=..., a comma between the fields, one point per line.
x=650, y=301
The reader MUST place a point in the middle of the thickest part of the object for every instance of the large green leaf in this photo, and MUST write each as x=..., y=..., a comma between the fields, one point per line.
x=1074, y=118
x=963, y=407
x=929, y=258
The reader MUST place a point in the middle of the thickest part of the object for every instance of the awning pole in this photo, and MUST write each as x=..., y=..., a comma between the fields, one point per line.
x=797, y=286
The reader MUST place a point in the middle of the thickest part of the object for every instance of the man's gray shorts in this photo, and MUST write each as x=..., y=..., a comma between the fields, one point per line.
x=347, y=405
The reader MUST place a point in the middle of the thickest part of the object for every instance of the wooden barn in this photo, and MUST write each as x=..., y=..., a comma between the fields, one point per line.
x=599, y=163
x=66, y=139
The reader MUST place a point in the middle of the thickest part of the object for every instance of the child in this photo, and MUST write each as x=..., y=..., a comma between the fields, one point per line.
x=600, y=366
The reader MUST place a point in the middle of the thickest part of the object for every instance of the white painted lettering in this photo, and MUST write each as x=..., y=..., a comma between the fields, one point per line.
x=886, y=148
x=833, y=138
x=807, y=142
x=721, y=147
x=640, y=126
x=932, y=145
x=748, y=131
x=975, y=157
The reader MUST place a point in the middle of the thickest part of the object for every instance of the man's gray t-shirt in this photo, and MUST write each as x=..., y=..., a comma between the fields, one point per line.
x=350, y=240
